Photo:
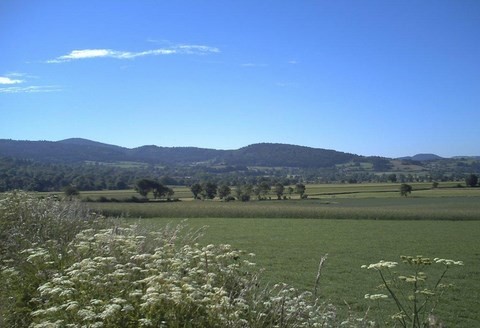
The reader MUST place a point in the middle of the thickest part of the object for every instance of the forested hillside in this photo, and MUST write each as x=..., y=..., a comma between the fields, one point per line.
x=90, y=165
x=281, y=155
x=266, y=154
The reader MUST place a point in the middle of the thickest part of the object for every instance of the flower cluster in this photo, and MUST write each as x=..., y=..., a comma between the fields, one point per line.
x=416, y=260
x=118, y=280
x=380, y=265
x=35, y=233
x=447, y=262
x=64, y=266
x=376, y=296
x=415, y=294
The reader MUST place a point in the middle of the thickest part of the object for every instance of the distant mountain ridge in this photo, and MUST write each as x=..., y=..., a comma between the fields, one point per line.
x=274, y=154
x=263, y=154
x=78, y=150
x=86, y=142
x=422, y=157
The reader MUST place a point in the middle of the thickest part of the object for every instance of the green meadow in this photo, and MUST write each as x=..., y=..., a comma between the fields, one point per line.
x=325, y=202
x=354, y=224
x=289, y=250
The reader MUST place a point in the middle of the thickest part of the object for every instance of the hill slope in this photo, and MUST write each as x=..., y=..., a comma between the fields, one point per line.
x=270, y=154
x=64, y=151
x=263, y=154
x=422, y=157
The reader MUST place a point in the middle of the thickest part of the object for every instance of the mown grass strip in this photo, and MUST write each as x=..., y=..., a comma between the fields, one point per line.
x=447, y=208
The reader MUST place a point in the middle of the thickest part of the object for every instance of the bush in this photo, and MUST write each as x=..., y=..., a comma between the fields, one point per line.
x=34, y=238
x=26, y=221
x=61, y=266
x=405, y=189
x=471, y=180
x=135, y=199
x=124, y=278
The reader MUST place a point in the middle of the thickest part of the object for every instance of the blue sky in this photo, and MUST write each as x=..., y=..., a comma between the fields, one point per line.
x=389, y=78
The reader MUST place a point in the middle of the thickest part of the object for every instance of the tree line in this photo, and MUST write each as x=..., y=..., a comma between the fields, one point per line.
x=261, y=191
x=146, y=186
x=37, y=176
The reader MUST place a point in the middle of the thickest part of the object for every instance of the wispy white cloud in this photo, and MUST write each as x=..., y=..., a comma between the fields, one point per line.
x=8, y=80
x=196, y=49
x=253, y=65
x=31, y=89
x=109, y=53
x=293, y=62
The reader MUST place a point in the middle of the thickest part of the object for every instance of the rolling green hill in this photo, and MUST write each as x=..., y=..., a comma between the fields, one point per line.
x=91, y=165
x=78, y=150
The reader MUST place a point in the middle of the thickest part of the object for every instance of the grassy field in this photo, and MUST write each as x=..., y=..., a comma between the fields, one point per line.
x=363, y=190
x=328, y=201
x=289, y=238
x=354, y=223
x=398, y=208
x=290, y=249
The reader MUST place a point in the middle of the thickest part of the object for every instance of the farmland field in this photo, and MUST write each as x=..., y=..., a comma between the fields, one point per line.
x=396, y=208
x=325, y=191
x=354, y=224
x=290, y=249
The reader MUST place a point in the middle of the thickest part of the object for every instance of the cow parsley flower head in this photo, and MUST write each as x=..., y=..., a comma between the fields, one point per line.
x=380, y=265
x=375, y=297
x=447, y=262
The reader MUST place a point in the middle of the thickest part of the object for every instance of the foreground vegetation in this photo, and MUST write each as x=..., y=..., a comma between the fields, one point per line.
x=62, y=266
x=84, y=269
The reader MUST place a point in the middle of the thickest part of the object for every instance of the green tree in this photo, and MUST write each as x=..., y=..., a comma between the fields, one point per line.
x=144, y=186
x=196, y=189
x=160, y=190
x=405, y=189
x=170, y=193
x=261, y=190
x=70, y=192
x=290, y=191
x=279, y=189
x=244, y=192
x=224, y=191
x=392, y=177
x=210, y=190
x=300, y=189
x=471, y=180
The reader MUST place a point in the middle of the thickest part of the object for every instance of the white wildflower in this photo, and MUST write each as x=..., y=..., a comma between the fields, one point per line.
x=110, y=310
x=71, y=306
x=96, y=302
x=375, y=296
x=86, y=315
x=447, y=262
x=380, y=265
x=145, y=322
x=118, y=300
